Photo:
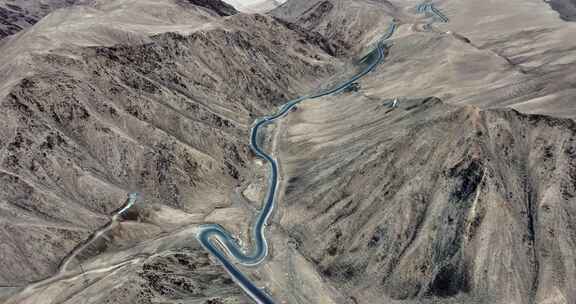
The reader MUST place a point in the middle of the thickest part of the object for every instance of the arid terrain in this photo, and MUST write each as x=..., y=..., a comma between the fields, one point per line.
x=447, y=175
x=17, y=15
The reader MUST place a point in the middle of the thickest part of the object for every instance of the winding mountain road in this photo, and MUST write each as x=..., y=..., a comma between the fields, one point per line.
x=212, y=231
x=63, y=267
x=212, y=235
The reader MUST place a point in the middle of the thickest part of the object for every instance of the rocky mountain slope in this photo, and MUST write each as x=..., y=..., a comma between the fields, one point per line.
x=516, y=54
x=86, y=120
x=354, y=23
x=430, y=201
x=18, y=15
x=465, y=197
x=172, y=268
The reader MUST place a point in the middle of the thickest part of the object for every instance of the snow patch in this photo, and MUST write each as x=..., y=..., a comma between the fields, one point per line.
x=254, y=6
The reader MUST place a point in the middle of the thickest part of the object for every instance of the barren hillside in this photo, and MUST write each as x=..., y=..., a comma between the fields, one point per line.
x=445, y=175
x=86, y=120
x=18, y=15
